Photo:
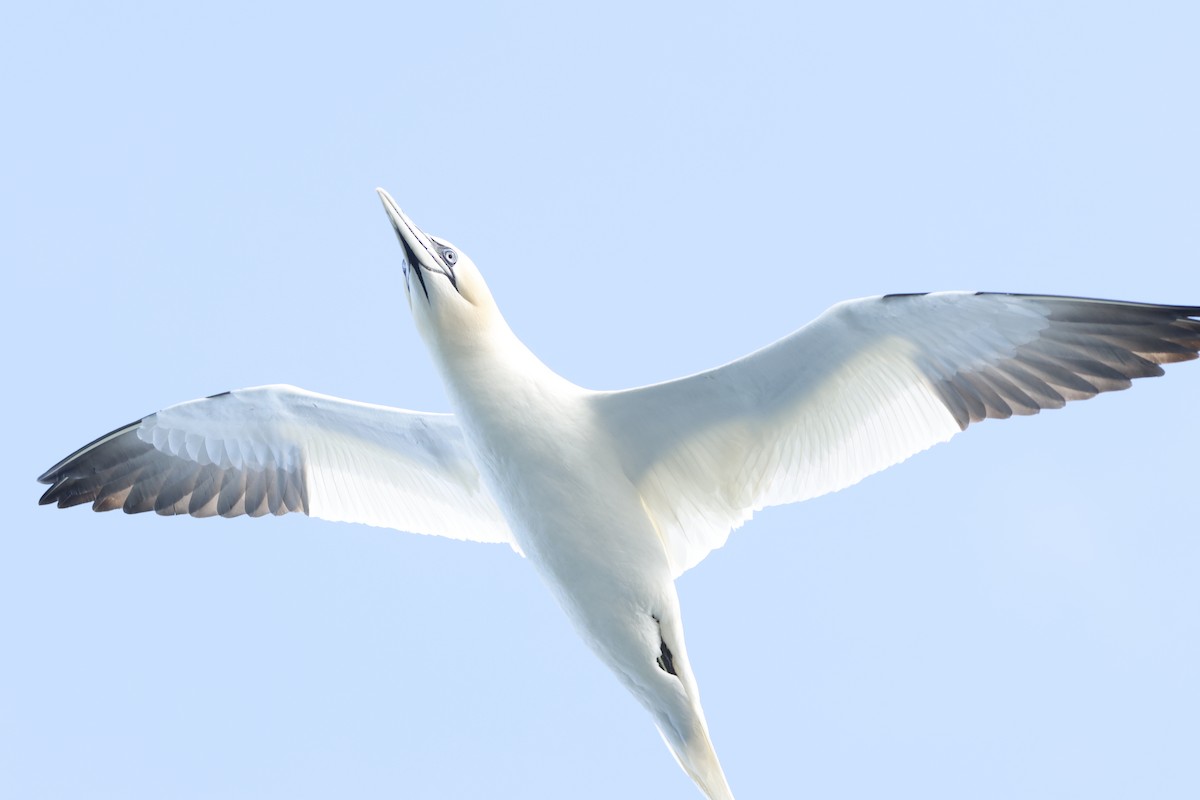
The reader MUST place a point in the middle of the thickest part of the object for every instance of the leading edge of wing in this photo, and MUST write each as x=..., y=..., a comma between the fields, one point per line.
x=866, y=385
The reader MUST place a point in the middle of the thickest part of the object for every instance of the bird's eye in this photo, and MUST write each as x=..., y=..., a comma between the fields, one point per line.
x=449, y=255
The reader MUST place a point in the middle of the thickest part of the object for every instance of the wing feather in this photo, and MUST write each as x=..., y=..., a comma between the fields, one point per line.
x=279, y=449
x=866, y=385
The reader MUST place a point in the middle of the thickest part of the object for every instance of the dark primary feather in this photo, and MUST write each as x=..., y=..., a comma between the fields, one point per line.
x=119, y=470
x=1090, y=346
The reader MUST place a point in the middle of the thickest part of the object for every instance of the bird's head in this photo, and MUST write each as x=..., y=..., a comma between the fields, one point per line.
x=449, y=299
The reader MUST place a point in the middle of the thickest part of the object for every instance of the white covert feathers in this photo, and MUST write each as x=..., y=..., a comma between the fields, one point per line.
x=612, y=495
x=866, y=385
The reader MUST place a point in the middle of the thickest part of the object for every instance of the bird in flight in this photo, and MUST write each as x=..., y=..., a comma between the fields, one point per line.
x=611, y=495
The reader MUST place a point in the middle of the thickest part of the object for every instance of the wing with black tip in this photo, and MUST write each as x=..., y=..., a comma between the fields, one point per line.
x=279, y=449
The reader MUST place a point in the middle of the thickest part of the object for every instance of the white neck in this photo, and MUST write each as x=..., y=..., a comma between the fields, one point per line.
x=488, y=362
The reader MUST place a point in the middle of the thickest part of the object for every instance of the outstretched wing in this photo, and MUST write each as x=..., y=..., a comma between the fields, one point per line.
x=277, y=449
x=866, y=385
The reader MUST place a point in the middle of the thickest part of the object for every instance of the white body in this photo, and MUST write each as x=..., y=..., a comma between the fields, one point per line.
x=556, y=474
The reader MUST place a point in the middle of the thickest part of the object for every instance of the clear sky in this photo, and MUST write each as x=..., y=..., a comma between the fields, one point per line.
x=649, y=189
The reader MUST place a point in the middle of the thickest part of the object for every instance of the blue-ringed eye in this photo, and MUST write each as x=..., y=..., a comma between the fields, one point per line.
x=449, y=255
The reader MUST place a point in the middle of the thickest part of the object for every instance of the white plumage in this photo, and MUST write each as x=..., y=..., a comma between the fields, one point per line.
x=612, y=495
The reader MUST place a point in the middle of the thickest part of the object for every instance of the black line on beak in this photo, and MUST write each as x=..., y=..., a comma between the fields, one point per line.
x=410, y=259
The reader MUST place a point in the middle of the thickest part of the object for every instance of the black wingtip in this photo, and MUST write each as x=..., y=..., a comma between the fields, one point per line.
x=1179, y=311
x=53, y=474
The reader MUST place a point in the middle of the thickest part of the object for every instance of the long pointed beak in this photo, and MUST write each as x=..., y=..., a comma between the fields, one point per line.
x=420, y=253
x=412, y=239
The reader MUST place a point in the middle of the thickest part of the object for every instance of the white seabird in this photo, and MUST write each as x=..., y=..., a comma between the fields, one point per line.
x=612, y=495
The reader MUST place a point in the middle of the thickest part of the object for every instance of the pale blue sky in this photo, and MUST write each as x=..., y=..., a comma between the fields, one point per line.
x=649, y=190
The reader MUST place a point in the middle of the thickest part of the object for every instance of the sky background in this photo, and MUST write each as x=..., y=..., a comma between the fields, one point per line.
x=650, y=190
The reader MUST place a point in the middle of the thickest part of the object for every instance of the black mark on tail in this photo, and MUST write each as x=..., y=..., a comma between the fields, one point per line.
x=666, y=661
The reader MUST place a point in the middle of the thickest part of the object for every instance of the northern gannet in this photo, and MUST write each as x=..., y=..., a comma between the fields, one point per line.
x=612, y=495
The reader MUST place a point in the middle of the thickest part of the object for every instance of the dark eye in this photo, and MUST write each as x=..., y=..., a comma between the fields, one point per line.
x=449, y=255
